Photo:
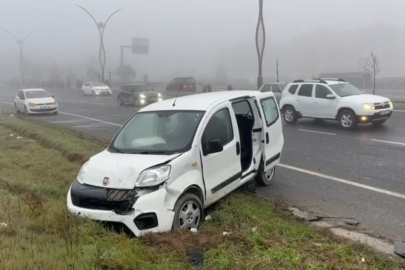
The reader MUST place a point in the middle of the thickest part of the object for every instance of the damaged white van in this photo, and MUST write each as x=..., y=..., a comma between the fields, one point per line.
x=173, y=158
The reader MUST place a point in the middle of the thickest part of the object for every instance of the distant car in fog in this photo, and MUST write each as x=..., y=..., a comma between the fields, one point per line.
x=96, y=89
x=138, y=94
x=35, y=101
x=277, y=89
x=183, y=83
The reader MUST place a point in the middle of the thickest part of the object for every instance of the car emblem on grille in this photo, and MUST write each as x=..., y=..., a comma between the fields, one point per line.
x=106, y=181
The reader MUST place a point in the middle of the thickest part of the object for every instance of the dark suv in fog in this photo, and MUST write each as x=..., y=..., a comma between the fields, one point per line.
x=184, y=83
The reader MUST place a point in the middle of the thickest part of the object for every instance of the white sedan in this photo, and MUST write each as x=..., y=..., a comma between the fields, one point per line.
x=96, y=89
x=34, y=101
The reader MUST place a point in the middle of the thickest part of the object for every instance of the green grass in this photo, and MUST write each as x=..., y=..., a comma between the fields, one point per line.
x=37, y=170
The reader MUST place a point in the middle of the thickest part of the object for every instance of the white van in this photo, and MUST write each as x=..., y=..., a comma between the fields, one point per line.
x=173, y=158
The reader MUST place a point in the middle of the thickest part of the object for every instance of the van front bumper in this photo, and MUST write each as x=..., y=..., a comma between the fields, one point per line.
x=148, y=214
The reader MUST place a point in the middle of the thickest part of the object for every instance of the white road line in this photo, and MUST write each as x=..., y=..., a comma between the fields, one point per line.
x=93, y=119
x=347, y=182
x=399, y=111
x=320, y=132
x=397, y=143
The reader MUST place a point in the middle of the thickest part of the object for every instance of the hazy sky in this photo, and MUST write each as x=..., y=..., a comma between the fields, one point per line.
x=186, y=36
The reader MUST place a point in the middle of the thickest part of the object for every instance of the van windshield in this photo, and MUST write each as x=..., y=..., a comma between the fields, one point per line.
x=159, y=132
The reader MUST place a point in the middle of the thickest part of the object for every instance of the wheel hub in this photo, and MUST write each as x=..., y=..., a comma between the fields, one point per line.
x=346, y=120
x=288, y=115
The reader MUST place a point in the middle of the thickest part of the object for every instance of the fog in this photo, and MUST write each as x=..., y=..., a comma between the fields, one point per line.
x=205, y=39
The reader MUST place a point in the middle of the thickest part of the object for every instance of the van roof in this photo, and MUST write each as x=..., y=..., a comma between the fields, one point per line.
x=199, y=102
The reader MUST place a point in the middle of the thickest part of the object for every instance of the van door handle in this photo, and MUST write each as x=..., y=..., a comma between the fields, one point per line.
x=237, y=148
x=267, y=138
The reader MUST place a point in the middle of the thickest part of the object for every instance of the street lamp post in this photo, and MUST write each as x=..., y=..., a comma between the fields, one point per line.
x=260, y=43
x=20, y=43
x=101, y=27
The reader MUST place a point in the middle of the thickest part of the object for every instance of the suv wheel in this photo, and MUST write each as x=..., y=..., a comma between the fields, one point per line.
x=188, y=212
x=348, y=120
x=290, y=115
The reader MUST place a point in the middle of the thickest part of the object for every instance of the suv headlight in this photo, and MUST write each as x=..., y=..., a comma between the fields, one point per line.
x=153, y=176
x=368, y=106
x=82, y=173
x=391, y=105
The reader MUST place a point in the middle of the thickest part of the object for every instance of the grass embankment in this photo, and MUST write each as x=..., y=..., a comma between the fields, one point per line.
x=35, y=174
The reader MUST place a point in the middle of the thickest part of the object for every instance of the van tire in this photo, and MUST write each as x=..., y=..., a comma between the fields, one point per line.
x=290, y=114
x=265, y=178
x=188, y=208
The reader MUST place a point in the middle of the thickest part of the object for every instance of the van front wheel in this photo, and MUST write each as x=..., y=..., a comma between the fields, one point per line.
x=188, y=212
x=265, y=178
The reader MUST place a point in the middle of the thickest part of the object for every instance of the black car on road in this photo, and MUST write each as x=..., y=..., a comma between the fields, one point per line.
x=183, y=83
x=138, y=95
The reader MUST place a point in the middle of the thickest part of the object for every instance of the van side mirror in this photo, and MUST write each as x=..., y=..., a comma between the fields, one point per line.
x=215, y=146
x=330, y=96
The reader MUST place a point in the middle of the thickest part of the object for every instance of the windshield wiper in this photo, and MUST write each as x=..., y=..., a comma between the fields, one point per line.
x=151, y=152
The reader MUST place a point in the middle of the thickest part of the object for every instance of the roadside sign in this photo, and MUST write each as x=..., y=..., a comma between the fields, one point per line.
x=140, y=45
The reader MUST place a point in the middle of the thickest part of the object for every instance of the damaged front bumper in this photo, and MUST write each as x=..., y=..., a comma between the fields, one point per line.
x=142, y=212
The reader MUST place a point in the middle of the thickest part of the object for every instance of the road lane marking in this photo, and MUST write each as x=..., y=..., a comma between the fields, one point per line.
x=89, y=118
x=343, y=181
x=382, y=141
x=399, y=111
x=320, y=132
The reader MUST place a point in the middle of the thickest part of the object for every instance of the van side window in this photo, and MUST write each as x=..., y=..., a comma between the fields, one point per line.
x=219, y=127
x=293, y=89
x=270, y=110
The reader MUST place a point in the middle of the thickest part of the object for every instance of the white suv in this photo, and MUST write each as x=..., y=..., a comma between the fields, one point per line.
x=333, y=99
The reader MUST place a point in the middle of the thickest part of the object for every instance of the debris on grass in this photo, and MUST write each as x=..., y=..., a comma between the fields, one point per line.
x=193, y=230
x=196, y=258
x=363, y=260
x=3, y=225
x=208, y=217
x=11, y=135
x=254, y=229
x=224, y=233
x=399, y=248
x=19, y=137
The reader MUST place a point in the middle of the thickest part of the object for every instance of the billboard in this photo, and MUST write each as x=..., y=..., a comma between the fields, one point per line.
x=140, y=45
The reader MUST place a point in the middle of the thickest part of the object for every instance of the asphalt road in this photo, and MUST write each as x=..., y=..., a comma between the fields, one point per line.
x=357, y=174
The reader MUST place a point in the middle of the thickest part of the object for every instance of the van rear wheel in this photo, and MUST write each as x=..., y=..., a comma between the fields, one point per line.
x=188, y=212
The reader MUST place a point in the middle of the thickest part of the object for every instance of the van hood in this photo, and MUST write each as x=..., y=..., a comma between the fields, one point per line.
x=366, y=98
x=121, y=169
x=41, y=100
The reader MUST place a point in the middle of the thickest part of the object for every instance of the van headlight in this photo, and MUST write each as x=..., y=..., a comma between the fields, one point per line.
x=32, y=104
x=368, y=106
x=82, y=173
x=153, y=176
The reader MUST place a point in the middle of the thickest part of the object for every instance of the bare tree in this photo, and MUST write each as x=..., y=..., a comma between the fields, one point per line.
x=372, y=66
x=278, y=79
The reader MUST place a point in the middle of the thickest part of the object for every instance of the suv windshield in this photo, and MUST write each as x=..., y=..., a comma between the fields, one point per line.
x=345, y=89
x=160, y=132
x=98, y=84
x=37, y=94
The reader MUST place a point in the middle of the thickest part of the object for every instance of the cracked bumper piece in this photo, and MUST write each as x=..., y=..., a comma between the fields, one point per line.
x=146, y=213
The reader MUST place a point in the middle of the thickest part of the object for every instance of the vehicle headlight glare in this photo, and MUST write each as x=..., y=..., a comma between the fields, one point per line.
x=153, y=176
x=391, y=105
x=159, y=95
x=368, y=106
x=142, y=96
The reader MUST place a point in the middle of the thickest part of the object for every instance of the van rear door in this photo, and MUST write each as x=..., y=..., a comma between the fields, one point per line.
x=272, y=132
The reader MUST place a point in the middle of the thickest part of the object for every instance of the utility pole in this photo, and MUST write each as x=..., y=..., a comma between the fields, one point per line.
x=260, y=43
x=101, y=27
x=278, y=79
x=20, y=43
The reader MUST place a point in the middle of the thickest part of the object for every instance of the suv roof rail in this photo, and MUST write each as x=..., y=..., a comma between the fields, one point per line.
x=333, y=79
x=313, y=80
